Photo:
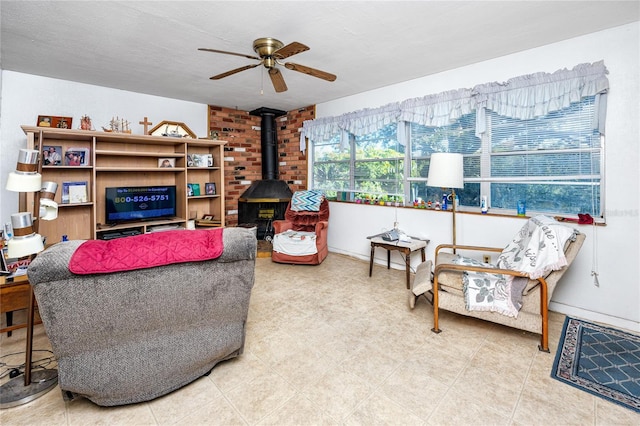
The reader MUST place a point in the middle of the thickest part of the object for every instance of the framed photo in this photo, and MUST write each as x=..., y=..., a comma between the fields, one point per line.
x=74, y=192
x=210, y=188
x=3, y=265
x=51, y=155
x=200, y=160
x=76, y=157
x=172, y=129
x=53, y=121
x=193, y=189
x=166, y=162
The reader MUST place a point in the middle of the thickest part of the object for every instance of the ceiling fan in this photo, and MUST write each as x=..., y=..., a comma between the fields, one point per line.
x=270, y=52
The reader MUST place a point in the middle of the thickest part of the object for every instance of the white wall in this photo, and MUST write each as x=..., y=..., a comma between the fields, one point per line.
x=25, y=96
x=615, y=246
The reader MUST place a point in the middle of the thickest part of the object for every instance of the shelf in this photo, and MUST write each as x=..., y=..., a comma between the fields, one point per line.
x=67, y=167
x=61, y=205
x=197, y=197
x=83, y=135
x=138, y=154
x=140, y=169
x=140, y=224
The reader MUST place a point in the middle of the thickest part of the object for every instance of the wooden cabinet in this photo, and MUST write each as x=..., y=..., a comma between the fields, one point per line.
x=119, y=160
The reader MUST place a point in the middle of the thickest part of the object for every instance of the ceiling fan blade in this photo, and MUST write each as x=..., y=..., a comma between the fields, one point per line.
x=228, y=53
x=310, y=71
x=237, y=70
x=290, y=49
x=277, y=80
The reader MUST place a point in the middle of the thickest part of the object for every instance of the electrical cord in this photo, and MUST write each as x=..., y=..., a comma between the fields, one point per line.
x=10, y=369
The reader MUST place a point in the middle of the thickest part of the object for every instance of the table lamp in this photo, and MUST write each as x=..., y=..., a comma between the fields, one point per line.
x=446, y=170
x=26, y=241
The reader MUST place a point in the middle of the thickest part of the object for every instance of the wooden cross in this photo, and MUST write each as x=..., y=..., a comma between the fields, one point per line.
x=146, y=125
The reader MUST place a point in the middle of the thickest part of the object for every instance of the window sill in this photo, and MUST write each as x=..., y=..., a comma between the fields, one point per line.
x=569, y=219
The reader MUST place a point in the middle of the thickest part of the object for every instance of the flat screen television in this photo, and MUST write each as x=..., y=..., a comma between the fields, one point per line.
x=135, y=203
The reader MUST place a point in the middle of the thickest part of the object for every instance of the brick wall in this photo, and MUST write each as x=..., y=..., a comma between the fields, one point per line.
x=243, y=161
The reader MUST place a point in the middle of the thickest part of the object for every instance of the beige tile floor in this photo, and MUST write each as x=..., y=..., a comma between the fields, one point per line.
x=327, y=345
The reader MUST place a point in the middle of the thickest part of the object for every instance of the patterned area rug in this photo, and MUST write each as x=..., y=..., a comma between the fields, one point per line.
x=600, y=360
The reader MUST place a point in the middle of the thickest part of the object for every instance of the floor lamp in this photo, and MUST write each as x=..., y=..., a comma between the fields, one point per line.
x=446, y=171
x=25, y=242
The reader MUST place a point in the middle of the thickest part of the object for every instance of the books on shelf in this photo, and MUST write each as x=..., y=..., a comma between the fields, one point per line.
x=74, y=192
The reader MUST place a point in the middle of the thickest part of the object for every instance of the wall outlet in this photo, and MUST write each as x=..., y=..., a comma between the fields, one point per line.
x=486, y=258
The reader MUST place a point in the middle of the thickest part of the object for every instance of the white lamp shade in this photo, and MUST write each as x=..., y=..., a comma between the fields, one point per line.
x=25, y=241
x=446, y=170
x=24, y=246
x=24, y=182
x=26, y=177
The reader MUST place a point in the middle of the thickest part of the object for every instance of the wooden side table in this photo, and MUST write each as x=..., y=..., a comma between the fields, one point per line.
x=15, y=295
x=404, y=247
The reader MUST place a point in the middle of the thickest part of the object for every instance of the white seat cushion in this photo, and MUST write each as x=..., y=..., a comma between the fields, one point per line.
x=295, y=243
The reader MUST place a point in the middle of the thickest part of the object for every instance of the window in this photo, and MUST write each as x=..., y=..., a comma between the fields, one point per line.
x=331, y=166
x=369, y=166
x=458, y=137
x=537, y=138
x=379, y=163
x=552, y=162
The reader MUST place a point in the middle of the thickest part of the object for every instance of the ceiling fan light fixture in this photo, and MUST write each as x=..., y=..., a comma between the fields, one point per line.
x=266, y=46
x=271, y=52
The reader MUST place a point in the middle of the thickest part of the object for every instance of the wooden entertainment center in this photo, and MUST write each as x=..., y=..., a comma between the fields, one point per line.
x=126, y=160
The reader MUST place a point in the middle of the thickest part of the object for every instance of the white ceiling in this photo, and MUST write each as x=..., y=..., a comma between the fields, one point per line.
x=151, y=46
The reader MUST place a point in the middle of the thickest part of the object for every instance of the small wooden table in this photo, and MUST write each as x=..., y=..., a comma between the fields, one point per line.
x=405, y=247
x=14, y=295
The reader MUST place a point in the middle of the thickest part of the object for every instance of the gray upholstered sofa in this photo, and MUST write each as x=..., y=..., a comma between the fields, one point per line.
x=126, y=337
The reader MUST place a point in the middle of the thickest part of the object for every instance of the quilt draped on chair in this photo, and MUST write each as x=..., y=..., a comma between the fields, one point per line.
x=536, y=250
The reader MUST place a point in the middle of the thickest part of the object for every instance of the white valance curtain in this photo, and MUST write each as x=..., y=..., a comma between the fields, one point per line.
x=437, y=110
x=536, y=95
x=524, y=97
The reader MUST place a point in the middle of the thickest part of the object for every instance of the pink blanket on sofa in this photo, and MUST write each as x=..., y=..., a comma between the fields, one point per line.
x=146, y=251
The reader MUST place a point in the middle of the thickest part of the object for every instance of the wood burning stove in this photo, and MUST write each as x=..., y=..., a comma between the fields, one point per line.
x=265, y=200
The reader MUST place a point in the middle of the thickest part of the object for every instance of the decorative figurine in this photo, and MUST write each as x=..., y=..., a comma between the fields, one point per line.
x=117, y=125
x=85, y=123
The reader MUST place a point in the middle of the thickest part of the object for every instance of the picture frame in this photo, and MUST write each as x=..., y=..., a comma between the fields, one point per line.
x=210, y=188
x=55, y=121
x=199, y=160
x=166, y=162
x=74, y=192
x=193, y=189
x=76, y=157
x=51, y=155
x=173, y=129
x=208, y=220
x=4, y=270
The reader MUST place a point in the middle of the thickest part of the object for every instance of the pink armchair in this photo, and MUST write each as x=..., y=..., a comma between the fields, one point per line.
x=305, y=221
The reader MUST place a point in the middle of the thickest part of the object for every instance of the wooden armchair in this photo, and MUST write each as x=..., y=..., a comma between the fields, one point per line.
x=448, y=289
